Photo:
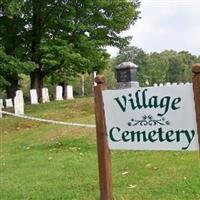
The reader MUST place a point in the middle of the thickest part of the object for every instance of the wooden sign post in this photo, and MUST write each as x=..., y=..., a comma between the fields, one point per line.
x=196, y=89
x=104, y=158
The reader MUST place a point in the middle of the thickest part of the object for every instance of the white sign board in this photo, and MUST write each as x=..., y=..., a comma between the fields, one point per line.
x=154, y=118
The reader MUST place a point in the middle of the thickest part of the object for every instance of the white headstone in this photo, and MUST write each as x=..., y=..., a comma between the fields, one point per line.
x=9, y=103
x=1, y=106
x=187, y=83
x=70, y=92
x=168, y=83
x=1, y=103
x=161, y=84
x=34, y=96
x=174, y=84
x=19, y=103
x=155, y=85
x=45, y=95
x=59, y=93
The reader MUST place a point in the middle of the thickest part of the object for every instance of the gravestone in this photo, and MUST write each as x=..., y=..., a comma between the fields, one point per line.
x=19, y=103
x=126, y=75
x=1, y=103
x=155, y=85
x=168, y=84
x=1, y=106
x=34, y=96
x=45, y=95
x=9, y=103
x=69, y=92
x=59, y=93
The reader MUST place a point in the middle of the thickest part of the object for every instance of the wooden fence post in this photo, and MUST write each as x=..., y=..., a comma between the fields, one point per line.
x=104, y=157
x=196, y=89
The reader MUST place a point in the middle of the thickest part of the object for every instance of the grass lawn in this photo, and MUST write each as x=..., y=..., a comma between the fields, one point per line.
x=41, y=161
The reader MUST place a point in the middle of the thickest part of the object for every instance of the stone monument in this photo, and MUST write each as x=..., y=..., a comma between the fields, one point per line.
x=69, y=92
x=34, y=96
x=126, y=75
x=45, y=95
x=19, y=103
x=9, y=103
x=59, y=93
x=1, y=106
x=1, y=103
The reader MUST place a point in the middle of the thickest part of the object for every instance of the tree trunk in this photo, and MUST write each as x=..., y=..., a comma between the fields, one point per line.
x=12, y=88
x=65, y=91
x=37, y=77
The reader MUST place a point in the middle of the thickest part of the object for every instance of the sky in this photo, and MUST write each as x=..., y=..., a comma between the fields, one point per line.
x=166, y=24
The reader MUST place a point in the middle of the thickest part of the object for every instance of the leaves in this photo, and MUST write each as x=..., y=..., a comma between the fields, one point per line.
x=64, y=38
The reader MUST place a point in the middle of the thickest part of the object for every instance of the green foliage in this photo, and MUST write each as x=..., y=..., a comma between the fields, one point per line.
x=10, y=65
x=64, y=38
x=167, y=66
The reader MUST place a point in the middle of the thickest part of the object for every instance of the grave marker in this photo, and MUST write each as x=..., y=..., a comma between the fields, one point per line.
x=45, y=95
x=9, y=103
x=1, y=106
x=19, y=103
x=59, y=93
x=126, y=75
x=69, y=92
x=34, y=96
x=1, y=103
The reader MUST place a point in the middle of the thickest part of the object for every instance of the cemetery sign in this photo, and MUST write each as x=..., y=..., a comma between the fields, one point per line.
x=154, y=118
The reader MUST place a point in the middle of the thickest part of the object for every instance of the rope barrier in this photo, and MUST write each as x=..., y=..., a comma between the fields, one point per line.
x=49, y=121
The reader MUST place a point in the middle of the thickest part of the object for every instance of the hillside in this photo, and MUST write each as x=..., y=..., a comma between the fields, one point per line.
x=46, y=161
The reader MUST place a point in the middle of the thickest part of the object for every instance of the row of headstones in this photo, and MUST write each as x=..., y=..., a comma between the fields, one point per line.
x=19, y=99
x=45, y=94
x=18, y=103
x=168, y=84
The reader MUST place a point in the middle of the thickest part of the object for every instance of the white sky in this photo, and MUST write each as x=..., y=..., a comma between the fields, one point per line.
x=166, y=24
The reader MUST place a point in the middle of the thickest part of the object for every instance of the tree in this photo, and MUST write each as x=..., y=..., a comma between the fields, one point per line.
x=67, y=35
x=10, y=69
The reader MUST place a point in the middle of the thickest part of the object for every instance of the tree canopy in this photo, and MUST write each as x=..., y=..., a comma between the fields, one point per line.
x=66, y=36
x=167, y=66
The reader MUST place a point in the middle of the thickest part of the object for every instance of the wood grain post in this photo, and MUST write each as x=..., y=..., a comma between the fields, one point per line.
x=196, y=89
x=104, y=157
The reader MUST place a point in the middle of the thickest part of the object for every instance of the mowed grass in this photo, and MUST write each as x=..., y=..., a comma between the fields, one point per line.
x=54, y=162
